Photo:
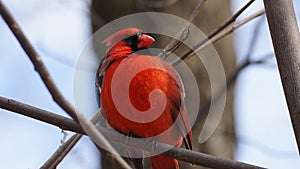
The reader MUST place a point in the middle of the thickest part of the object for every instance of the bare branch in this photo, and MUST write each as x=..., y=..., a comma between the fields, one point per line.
x=214, y=32
x=178, y=153
x=45, y=75
x=254, y=38
x=62, y=151
x=66, y=147
x=228, y=22
x=40, y=114
x=231, y=29
x=172, y=45
x=286, y=41
x=229, y=82
x=222, y=34
x=37, y=61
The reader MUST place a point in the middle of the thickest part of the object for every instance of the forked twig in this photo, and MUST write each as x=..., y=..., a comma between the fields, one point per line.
x=61, y=152
x=66, y=147
x=214, y=32
x=172, y=45
x=219, y=36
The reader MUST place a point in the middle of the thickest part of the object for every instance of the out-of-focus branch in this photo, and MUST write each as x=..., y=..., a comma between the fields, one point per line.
x=37, y=61
x=229, y=82
x=174, y=152
x=233, y=76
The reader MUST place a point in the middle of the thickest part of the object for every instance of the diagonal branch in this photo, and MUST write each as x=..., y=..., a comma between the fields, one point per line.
x=214, y=32
x=228, y=22
x=172, y=45
x=231, y=29
x=47, y=79
x=233, y=76
x=209, y=36
x=66, y=147
x=37, y=61
x=286, y=42
x=63, y=150
x=208, y=42
x=174, y=152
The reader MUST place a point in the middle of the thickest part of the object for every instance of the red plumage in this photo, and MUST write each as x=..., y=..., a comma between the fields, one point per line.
x=155, y=74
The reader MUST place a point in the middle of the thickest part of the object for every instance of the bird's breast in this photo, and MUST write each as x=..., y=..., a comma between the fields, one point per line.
x=137, y=95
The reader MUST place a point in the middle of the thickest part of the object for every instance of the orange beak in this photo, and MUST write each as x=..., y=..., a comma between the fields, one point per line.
x=144, y=41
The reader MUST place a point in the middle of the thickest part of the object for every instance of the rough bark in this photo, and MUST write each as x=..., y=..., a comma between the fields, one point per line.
x=286, y=41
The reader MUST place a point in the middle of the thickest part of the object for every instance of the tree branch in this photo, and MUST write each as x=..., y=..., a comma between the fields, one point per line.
x=206, y=42
x=37, y=61
x=61, y=152
x=233, y=76
x=46, y=77
x=172, y=45
x=178, y=153
x=286, y=41
x=213, y=33
x=40, y=114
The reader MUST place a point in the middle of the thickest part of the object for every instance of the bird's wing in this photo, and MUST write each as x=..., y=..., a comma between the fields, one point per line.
x=179, y=113
x=98, y=81
x=182, y=122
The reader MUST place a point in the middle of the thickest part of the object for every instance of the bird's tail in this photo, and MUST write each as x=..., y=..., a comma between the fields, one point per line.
x=163, y=162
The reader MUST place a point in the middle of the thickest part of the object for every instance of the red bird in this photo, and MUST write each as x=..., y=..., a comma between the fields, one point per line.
x=141, y=95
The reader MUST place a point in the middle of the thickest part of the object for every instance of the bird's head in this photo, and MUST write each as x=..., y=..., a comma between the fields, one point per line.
x=128, y=40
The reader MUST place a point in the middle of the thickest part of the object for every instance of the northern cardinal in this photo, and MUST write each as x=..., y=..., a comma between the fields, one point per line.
x=128, y=110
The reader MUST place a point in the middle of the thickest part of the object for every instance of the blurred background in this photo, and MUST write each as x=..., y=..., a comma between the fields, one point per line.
x=255, y=127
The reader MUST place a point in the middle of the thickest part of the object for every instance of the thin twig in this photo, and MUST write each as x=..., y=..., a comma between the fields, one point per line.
x=172, y=45
x=214, y=32
x=229, y=21
x=66, y=147
x=61, y=152
x=174, y=152
x=231, y=29
x=221, y=35
x=254, y=38
x=233, y=76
